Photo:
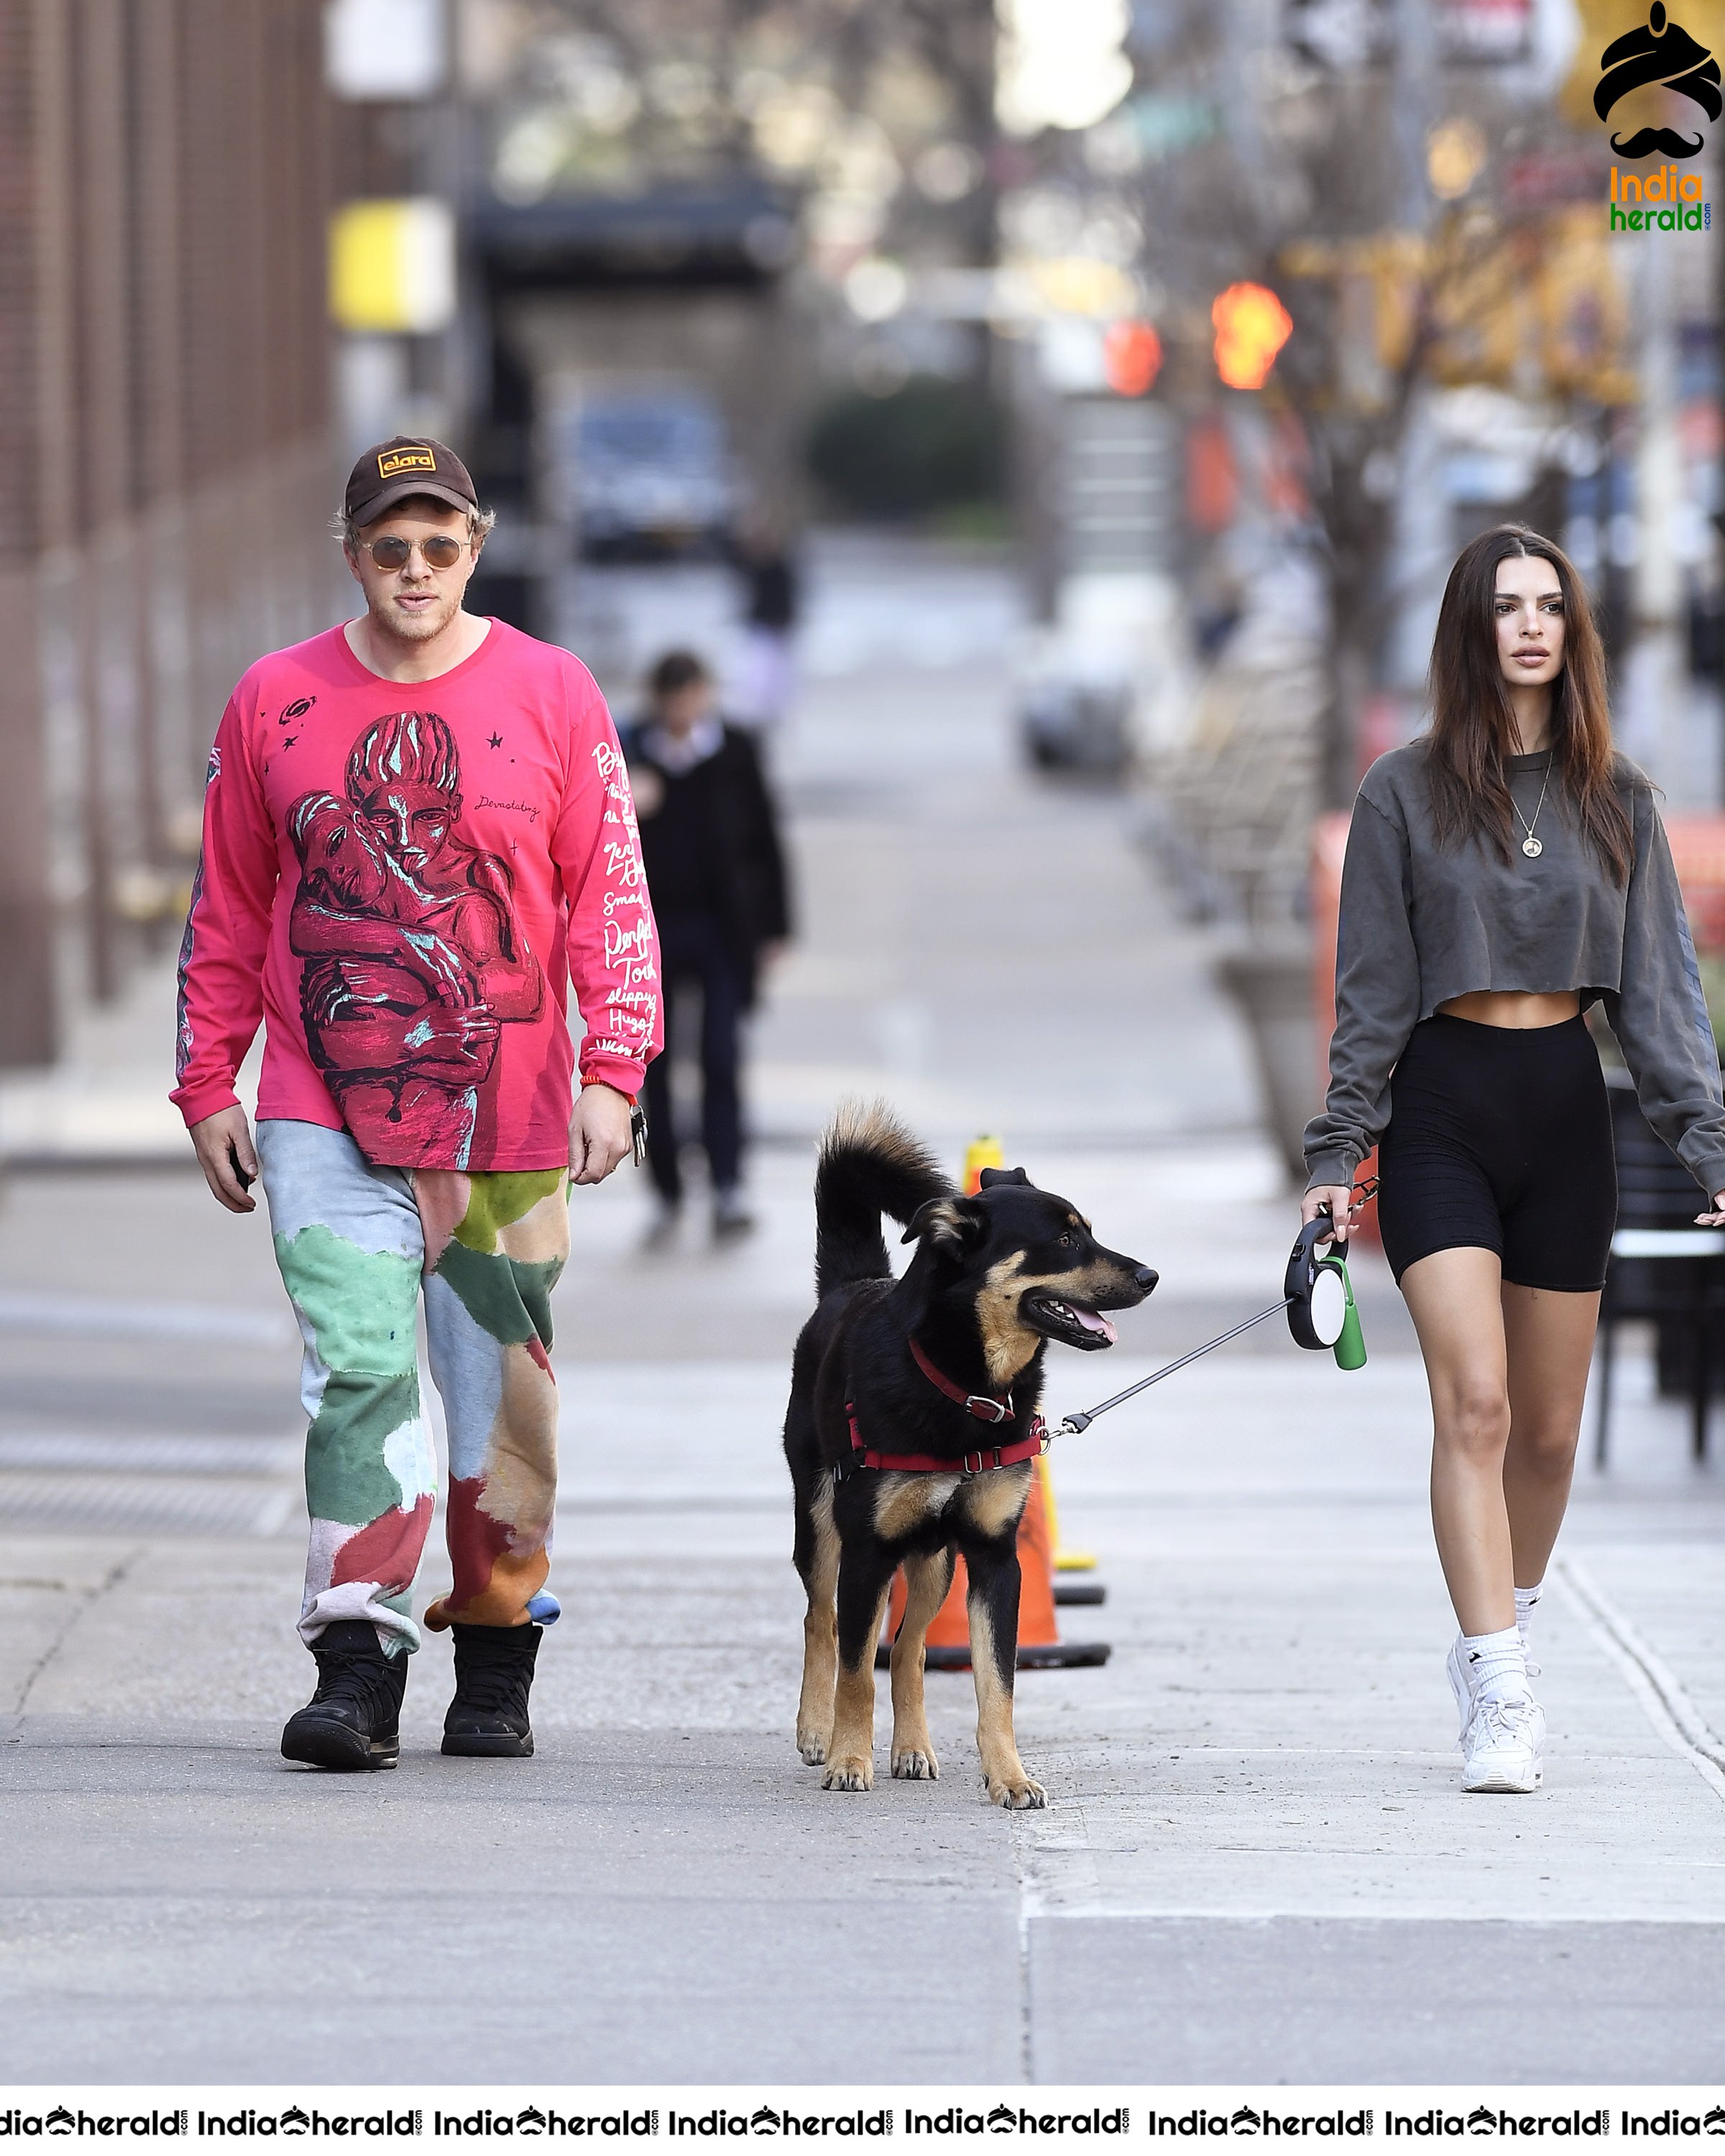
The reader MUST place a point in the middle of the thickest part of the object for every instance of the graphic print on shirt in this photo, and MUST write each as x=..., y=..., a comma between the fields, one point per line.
x=414, y=957
x=631, y=947
x=183, y=1042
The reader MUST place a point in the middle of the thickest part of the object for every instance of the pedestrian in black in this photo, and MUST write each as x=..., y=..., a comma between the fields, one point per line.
x=716, y=871
x=765, y=677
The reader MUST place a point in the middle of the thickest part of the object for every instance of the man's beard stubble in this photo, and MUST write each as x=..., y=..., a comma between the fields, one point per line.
x=414, y=627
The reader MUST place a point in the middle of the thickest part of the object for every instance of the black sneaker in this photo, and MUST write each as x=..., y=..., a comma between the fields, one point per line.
x=351, y=1720
x=494, y=1673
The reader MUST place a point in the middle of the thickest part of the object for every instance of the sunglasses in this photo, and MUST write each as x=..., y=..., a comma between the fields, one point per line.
x=395, y=553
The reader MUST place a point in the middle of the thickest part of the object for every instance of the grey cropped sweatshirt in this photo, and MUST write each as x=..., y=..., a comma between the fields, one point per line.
x=1420, y=924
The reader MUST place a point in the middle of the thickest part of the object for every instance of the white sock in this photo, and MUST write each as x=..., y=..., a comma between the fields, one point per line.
x=1527, y=1602
x=1497, y=1663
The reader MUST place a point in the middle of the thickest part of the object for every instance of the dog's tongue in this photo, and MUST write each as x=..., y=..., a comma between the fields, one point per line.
x=1093, y=1321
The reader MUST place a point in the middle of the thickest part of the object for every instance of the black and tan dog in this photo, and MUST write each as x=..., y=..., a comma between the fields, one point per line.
x=912, y=1431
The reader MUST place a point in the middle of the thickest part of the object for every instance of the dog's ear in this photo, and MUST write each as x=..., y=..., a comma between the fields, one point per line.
x=945, y=1223
x=992, y=1176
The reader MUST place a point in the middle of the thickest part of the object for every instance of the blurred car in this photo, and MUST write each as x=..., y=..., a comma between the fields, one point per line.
x=651, y=475
x=1103, y=682
x=1076, y=725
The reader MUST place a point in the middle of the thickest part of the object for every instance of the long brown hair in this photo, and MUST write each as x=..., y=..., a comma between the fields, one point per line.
x=1473, y=728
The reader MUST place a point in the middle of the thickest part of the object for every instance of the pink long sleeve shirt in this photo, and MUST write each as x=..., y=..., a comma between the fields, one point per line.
x=402, y=880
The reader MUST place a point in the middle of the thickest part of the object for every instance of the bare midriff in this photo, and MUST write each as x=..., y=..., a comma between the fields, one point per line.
x=1514, y=1009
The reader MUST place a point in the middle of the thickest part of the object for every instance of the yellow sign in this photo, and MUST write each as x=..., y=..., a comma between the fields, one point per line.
x=393, y=266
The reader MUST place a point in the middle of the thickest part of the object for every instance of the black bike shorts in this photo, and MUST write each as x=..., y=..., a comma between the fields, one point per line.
x=1501, y=1140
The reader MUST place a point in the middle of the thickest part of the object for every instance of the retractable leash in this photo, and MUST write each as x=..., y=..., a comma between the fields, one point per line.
x=1317, y=1297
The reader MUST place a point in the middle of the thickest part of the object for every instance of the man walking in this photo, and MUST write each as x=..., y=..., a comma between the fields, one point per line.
x=710, y=840
x=418, y=831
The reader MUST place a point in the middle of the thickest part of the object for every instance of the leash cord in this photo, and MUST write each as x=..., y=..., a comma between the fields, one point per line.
x=1072, y=1424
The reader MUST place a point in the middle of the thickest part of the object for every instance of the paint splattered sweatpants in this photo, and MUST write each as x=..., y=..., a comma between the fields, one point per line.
x=355, y=1244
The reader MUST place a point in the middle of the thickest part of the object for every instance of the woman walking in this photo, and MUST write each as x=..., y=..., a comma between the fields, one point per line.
x=1504, y=872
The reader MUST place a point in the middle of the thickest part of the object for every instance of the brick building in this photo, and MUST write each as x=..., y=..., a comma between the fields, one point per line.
x=164, y=448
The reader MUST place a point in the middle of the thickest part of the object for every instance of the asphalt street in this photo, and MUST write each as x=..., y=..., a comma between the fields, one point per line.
x=1256, y=1863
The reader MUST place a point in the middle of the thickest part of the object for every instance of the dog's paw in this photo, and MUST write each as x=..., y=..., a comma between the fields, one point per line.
x=813, y=1749
x=1015, y=1793
x=852, y=1774
x=918, y=1766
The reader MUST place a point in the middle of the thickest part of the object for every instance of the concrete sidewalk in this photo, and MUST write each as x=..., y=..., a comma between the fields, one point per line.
x=1256, y=1863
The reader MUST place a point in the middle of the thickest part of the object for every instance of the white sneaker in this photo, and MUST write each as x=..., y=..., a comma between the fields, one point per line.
x=1502, y=1745
x=1461, y=1683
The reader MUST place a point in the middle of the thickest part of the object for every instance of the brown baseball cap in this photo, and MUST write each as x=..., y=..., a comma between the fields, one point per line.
x=403, y=466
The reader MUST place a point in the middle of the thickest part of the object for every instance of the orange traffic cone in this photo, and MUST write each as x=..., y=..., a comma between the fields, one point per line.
x=1068, y=1591
x=1041, y=1647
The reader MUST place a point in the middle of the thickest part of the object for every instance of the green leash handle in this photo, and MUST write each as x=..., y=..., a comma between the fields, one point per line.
x=1350, y=1349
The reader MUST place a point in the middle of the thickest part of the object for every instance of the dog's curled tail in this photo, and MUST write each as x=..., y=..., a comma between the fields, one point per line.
x=869, y=1164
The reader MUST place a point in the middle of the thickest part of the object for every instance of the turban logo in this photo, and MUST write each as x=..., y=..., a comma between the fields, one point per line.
x=1663, y=52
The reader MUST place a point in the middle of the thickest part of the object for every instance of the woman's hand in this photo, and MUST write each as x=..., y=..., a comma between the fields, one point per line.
x=1715, y=1219
x=1336, y=1199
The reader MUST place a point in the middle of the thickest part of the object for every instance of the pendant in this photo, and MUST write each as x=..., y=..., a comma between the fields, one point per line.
x=1531, y=848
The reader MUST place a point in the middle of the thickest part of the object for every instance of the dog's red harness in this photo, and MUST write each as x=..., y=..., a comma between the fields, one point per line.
x=984, y=1406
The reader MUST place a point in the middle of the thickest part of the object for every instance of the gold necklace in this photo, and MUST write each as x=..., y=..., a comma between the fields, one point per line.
x=1530, y=845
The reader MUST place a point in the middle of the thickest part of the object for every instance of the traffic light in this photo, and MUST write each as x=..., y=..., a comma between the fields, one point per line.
x=1132, y=357
x=1252, y=325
